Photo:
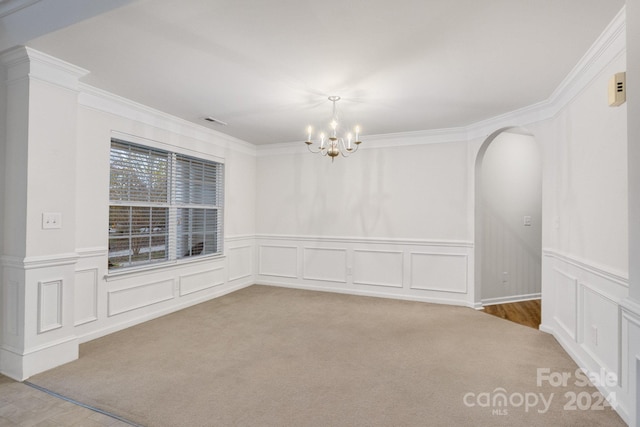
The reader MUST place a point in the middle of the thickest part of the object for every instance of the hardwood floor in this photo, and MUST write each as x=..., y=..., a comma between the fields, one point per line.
x=525, y=313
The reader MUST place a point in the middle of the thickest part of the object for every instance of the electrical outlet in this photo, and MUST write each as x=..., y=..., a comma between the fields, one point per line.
x=349, y=271
x=51, y=220
x=505, y=278
x=594, y=334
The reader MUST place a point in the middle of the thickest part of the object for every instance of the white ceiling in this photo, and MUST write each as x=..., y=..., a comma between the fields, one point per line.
x=267, y=67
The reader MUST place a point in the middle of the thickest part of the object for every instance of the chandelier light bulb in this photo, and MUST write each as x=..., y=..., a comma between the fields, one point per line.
x=336, y=145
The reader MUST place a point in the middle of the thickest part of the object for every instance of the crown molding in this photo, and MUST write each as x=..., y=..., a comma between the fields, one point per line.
x=7, y=7
x=609, y=45
x=23, y=61
x=108, y=102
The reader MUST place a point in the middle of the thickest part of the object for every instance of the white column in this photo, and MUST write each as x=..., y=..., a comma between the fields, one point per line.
x=38, y=210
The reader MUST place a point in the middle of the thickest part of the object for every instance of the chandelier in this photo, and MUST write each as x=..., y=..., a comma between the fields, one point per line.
x=334, y=144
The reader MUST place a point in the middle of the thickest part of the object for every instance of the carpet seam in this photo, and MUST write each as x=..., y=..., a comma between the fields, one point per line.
x=75, y=402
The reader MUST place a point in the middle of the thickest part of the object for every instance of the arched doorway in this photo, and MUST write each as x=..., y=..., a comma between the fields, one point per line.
x=508, y=218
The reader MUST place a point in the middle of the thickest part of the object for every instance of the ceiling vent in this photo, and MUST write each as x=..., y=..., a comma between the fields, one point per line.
x=213, y=120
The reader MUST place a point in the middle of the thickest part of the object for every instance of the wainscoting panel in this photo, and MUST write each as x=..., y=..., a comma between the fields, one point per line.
x=85, y=296
x=10, y=299
x=630, y=366
x=430, y=271
x=441, y=272
x=123, y=300
x=194, y=282
x=567, y=291
x=240, y=262
x=49, y=305
x=600, y=315
x=582, y=308
x=278, y=261
x=326, y=264
x=378, y=268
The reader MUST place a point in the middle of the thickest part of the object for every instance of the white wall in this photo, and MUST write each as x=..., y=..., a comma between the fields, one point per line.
x=56, y=290
x=631, y=307
x=585, y=238
x=387, y=221
x=417, y=192
x=510, y=188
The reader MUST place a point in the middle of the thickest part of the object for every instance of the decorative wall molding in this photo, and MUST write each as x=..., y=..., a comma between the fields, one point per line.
x=436, y=271
x=588, y=266
x=85, y=296
x=201, y=280
x=24, y=61
x=144, y=271
x=605, y=49
x=367, y=240
x=118, y=323
x=584, y=310
x=98, y=251
x=240, y=263
x=127, y=299
x=35, y=262
x=240, y=238
x=270, y=263
x=630, y=360
x=324, y=264
x=7, y=7
x=376, y=267
x=10, y=310
x=49, y=305
x=106, y=102
x=566, y=290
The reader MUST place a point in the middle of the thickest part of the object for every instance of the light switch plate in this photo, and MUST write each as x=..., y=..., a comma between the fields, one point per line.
x=527, y=221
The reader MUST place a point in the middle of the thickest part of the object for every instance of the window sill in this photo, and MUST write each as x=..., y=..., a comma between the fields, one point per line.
x=139, y=271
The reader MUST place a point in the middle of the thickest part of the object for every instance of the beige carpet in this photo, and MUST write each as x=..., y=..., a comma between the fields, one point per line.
x=267, y=356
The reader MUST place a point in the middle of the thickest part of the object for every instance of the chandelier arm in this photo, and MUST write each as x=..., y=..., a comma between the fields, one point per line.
x=312, y=150
x=344, y=151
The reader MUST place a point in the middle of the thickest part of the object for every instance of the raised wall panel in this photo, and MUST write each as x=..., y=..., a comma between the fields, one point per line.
x=601, y=313
x=566, y=297
x=325, y=264
x=86, y=296
x=123, y=300
x=49, y=305
x=439, y=272
x=240, y=264
x=194, y=282
x=10, y=307
x=280, y=261
x=378, y=268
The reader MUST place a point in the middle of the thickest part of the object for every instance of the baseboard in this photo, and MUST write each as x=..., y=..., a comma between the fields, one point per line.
x=115, y=327
x=367, y=293
x=511, y=299
x=22, y=366
x=569, y=346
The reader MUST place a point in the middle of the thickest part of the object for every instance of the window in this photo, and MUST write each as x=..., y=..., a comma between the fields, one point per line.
x=163, y=206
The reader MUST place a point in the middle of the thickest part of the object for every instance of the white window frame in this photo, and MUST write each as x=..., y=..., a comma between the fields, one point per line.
x=173, y=247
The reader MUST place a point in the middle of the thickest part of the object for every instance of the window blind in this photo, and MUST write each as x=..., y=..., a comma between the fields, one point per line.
x=163, y=206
